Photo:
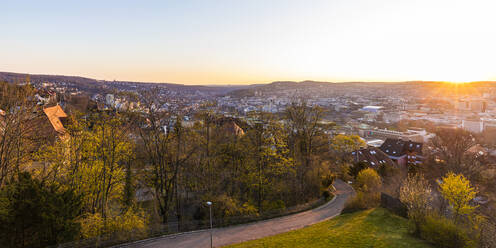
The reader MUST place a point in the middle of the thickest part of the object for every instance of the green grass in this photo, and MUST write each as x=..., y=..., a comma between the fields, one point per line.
x=370, y=228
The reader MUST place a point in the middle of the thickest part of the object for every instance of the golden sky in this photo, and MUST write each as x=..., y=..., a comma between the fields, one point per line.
x=241, y=42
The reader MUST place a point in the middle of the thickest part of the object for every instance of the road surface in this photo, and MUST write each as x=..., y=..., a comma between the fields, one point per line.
x=240, y=233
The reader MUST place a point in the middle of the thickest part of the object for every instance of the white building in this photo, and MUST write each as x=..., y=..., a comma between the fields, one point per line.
x=110, y=100
x=475, y=126
x=372, y=109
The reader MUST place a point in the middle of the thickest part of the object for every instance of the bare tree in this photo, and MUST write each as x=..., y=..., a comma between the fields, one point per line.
x=416, y=194
x=18, y=134
x=304, y=128
x=162, y=140
x=450, y=146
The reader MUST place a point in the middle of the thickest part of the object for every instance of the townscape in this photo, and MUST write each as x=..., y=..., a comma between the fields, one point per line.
x=158, y=151
x=248, y=124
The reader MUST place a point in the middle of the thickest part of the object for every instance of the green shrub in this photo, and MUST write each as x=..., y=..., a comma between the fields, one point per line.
x=327, y=194
x=444, y=233
x=130, y=222
x=328, y=180
x=36, y=215
x=362, y=201
x=356, y=168
x=368, y=181
x=386, y=170
x=273, y=205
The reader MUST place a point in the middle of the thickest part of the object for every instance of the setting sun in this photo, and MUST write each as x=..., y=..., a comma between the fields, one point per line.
x=248, y=124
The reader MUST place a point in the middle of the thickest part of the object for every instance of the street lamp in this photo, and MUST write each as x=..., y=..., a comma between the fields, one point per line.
x=211, y=239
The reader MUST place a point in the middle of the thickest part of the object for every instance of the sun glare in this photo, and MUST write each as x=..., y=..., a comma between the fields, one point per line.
x=459, y=82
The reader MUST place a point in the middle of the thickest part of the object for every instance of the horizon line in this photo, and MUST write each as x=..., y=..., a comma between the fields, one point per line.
x=246, y=84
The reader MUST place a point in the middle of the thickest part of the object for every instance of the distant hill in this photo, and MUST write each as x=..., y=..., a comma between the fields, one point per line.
x=94, y=85
x=90, y=84
x=277, y=86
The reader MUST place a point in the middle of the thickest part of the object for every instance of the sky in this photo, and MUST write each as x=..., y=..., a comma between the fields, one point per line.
x=254, y=41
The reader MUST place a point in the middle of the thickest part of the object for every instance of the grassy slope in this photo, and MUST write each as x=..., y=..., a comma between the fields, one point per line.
x=370, y=228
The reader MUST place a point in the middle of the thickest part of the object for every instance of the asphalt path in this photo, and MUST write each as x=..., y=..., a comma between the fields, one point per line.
x=240, y=233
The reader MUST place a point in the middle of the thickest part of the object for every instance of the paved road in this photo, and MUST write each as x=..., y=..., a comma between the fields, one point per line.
x=256, y=230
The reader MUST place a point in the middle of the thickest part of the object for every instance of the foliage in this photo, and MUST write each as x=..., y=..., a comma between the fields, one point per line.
x=387, y=170
x=274, y=205
x=368, y=180
x=341, y=170
x=356, y=168
x=456, y=189
x=306, y=139
x=34, y=215
x=444, y=233
x=370, y=228
x=165, y=151
x=133, y=220
x=362, y=201
x=91, y=162
x=228, y=207
x=19, y=134
x=347, y=143
x=450, y=146
x=327, y=194
x=108, y=157
x=416, y=194
x=367, y=188
x=328, y=180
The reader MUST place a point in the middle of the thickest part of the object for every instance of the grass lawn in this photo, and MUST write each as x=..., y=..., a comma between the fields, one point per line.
x=370, y=228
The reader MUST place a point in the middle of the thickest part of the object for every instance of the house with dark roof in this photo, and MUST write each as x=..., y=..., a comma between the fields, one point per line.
x=373, y=157
x=403, y=152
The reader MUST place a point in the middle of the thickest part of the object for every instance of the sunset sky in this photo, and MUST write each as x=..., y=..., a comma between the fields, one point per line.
x=251, y=41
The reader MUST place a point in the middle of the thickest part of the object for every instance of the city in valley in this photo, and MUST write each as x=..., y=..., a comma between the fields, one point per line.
x=236, y=144
x=248, y=124
x=374, y=111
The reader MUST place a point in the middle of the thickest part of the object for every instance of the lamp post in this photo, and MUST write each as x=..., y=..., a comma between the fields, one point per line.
x=211, y=238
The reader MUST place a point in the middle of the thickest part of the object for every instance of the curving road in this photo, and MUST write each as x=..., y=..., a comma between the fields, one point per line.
x=240, y=233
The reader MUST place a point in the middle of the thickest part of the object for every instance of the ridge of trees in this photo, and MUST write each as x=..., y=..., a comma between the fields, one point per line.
x=109, y=159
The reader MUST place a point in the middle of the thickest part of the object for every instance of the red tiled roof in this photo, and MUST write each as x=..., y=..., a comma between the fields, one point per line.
x=54, y=114
x=232, y=128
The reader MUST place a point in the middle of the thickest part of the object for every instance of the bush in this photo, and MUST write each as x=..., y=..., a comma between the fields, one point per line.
x=328, y=180
x=131, y=221
x=368, y=180
x=36, y=215
x=273, y=205
x=386, y=170
x=226, y=207
x=356, y=168
x=343, y=172
x=327, y=194
x=444, y=233
x=368, y=183
x=362, y=201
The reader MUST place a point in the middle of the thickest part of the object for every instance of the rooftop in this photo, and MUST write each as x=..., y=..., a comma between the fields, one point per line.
x=54, y=114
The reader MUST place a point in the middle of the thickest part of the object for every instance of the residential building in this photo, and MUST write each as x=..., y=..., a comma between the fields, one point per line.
x=475, y=126
x=403, y=152
x=56, y=116
x=384, y=134
x=373, y=157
